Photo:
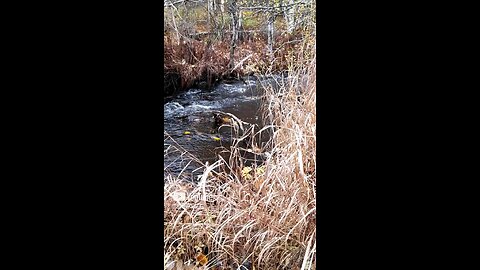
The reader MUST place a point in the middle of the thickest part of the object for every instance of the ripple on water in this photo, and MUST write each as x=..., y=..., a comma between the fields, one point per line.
x=191, y=111
x=202, y=106
x=170, y=108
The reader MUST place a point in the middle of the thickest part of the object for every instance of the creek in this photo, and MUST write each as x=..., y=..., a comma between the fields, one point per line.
x=189, y=123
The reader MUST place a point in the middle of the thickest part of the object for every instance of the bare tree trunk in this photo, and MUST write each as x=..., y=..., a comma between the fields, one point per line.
x=270, y=32
x=209, y=10
x=290, y=17
x=239, y=25
x=222, y=5
x=232, y=9
x=175, y=26
x=222, y=27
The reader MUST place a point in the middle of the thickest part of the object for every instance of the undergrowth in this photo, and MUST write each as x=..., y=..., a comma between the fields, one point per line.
x=189, y=61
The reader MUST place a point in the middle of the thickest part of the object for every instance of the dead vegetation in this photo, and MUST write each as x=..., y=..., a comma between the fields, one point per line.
x=238, y=215
x=260, y=216
x=190, y=62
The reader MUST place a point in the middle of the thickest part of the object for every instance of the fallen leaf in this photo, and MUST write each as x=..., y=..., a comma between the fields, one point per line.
x=187, y=133
x=260, y=170
x=202, y=259
x=246, y=172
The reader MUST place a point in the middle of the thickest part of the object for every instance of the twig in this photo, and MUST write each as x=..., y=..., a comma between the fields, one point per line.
x=241, y=62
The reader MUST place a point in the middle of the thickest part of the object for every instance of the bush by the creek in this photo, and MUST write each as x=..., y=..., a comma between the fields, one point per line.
x=188, y=62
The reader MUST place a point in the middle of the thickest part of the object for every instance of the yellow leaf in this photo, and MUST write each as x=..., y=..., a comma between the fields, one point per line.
x=246, y=172
x=260, y=170
x=187, y=132
x=216, y=139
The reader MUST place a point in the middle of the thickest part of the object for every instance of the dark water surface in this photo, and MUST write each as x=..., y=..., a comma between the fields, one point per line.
x=193, y=112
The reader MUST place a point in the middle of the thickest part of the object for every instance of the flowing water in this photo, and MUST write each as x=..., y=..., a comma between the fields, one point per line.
x=189, y=123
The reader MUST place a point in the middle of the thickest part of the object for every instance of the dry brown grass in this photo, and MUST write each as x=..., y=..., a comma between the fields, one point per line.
x=262, y=217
